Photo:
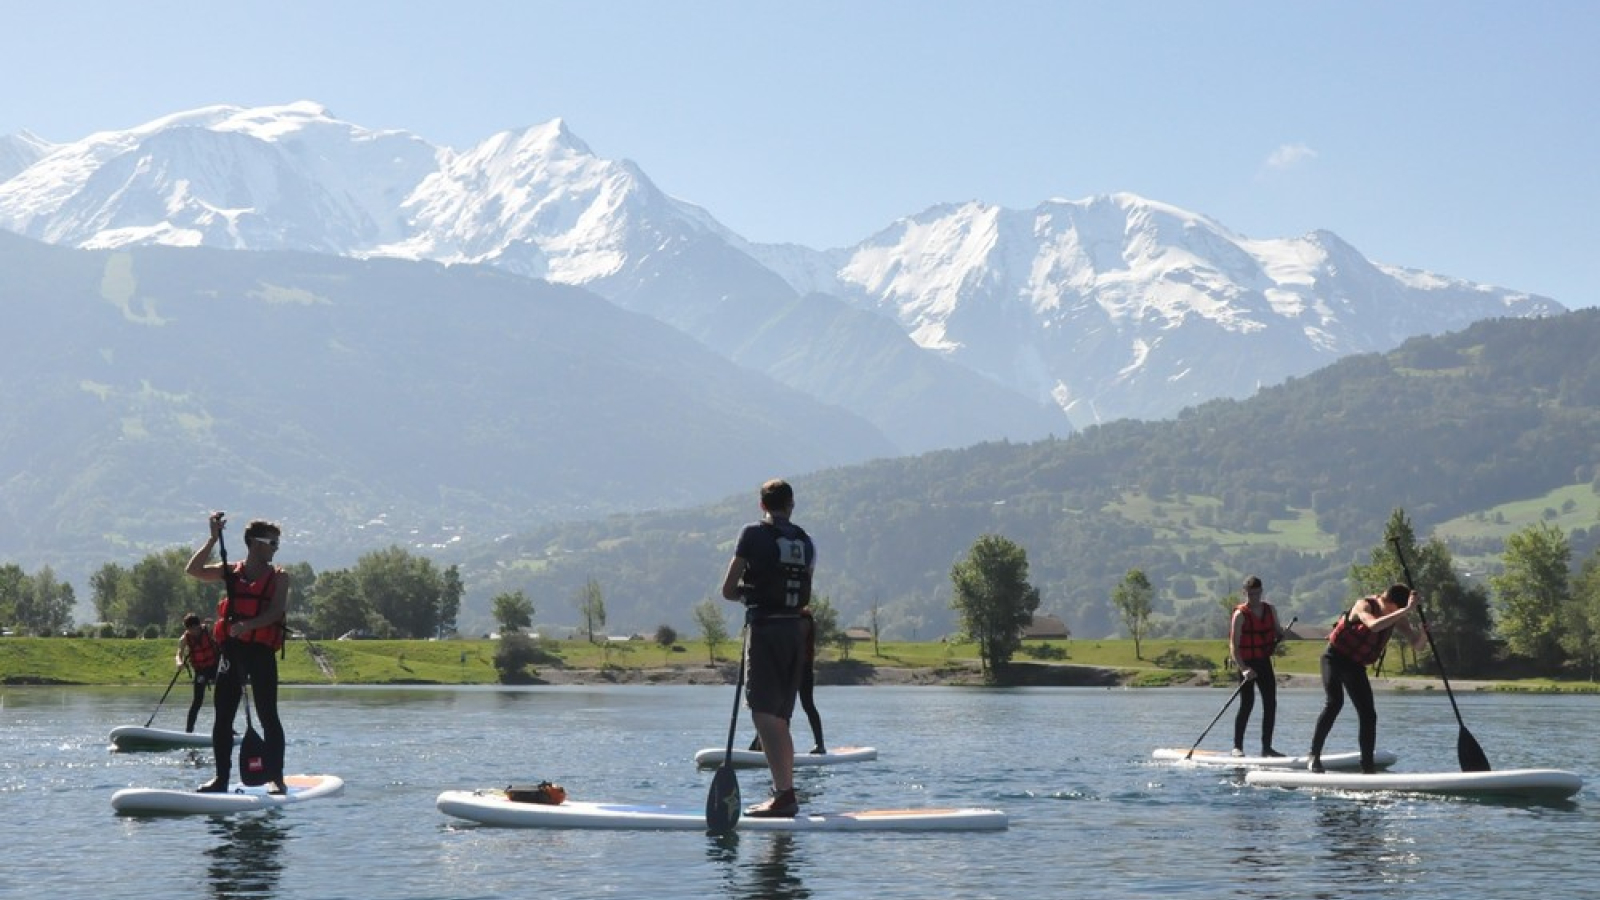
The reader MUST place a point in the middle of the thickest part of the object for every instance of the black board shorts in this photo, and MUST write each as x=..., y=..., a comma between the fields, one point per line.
x=775, y=663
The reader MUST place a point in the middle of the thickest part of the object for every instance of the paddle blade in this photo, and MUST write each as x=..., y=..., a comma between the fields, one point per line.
x=254, y=768
x=722, y=801
x=1470, y=754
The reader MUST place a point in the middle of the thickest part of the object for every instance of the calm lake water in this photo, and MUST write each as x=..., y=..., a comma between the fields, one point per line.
x=1091, y=815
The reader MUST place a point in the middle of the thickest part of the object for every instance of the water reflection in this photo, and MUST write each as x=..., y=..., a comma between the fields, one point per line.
x=773, y=873
x=246, y=859
x=1365, y=847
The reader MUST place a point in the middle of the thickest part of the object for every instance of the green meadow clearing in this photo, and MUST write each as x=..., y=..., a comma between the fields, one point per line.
x=1159, y=662
x=120, y=661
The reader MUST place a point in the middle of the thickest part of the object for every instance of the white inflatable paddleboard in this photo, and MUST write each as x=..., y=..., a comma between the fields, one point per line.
x=136, y=737
x=711, y=757
x=1382, y=759
x=1530, y=783
x=159, y=802
x=490, y=807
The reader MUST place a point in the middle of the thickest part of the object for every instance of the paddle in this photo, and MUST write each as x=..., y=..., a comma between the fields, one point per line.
x=180, y=670
x=722, y=801
x=1468, y=752
x=1224, y=709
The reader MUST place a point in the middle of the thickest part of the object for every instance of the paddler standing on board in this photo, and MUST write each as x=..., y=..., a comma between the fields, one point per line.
x=770, y=573
x=1356, y=642
x=249, y=631
x=198, y=650
x=1253, y=636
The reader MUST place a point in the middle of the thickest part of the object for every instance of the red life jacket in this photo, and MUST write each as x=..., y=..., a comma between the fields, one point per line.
x=248, y=599
x=1352, y=639
x=202, y=650
x=1259, y=637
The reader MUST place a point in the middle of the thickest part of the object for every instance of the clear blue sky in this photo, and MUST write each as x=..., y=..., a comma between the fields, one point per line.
x=1452, y=135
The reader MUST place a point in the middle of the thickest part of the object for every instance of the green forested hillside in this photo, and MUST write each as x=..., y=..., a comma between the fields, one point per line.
x=1293, y=484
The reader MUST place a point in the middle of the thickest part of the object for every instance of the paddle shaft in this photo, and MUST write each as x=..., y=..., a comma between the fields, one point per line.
x=1214, y=721
x=738, y=691
x=222, y=651
x=722, y=800
x=1466, y=744
x=1410, y=583
x=164, y=694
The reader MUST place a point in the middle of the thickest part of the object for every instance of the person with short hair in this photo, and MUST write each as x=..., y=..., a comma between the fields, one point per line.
x=198, y=650
x=249, y=631
x=771, y=573
x=1253, y=636
x=1357, y=641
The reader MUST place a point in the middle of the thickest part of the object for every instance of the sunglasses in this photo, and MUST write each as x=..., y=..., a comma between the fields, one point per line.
x=270, y=542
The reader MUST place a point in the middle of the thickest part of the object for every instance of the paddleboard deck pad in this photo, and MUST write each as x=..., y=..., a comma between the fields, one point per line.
x=160, y=802
x=1530, y=783
x=712, y=757
x=135, y=737
x=1382, y=758
x=489, y=807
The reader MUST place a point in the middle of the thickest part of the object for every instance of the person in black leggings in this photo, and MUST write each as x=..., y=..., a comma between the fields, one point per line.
x=1357, y=642
x=1253, y=636
x=249, y=632
x=198, y=650
x=808, y=684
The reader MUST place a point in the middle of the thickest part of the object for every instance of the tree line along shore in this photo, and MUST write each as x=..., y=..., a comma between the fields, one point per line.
x=141, y=661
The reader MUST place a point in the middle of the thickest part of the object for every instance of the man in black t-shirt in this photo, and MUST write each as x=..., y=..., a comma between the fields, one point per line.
x=770, y=573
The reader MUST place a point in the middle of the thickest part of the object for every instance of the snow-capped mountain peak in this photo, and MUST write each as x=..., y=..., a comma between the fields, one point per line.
x=287, y=176
x=1114, y=305
x=19, y=151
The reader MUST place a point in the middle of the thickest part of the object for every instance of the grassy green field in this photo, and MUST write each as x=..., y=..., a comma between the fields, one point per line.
x=116, y=661
x=149, y=662
x=1173, y=520
x=1566, y=508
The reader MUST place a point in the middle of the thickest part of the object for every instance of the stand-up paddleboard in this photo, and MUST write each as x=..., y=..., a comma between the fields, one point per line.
x=490, y=807
x=159, y=802
x=1382, y=759
x=128, y=738
x=1548, y=784
x=711, y=757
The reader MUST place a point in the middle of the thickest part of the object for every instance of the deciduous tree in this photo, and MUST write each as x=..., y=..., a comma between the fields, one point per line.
x=1134, y=599
x=713, y=627
x=1533, y=592
x=992, y=594
x=513, y=611
x=592, y=605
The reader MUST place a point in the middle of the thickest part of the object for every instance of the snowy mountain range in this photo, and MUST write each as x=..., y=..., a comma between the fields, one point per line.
x=955, y=325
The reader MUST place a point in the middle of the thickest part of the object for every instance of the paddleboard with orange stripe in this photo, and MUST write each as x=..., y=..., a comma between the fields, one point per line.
x=239, y=798
x=493, y=807
x=712, y=757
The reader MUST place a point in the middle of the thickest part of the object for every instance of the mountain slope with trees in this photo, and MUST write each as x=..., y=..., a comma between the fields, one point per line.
x=1294, y=484
x=362, y=403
